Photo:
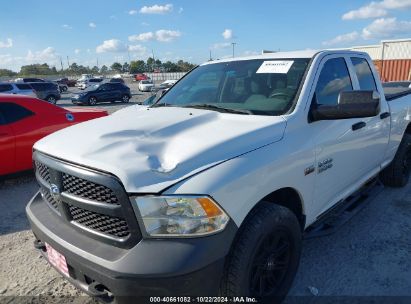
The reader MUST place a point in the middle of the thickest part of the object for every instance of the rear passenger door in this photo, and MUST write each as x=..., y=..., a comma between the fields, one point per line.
x=20, y=121
x=377, y=129
x=342, y=151
x=7, y=145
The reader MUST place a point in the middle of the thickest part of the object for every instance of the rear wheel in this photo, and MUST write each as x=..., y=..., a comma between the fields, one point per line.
x=397, y=173
x=92, y=101
x=265, y=256
x=51, y=99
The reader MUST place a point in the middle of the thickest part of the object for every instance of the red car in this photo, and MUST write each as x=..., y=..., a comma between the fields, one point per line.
x=25, y=120
x=139, y=77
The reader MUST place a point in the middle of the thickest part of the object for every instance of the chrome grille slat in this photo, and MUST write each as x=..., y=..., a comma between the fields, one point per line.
x=86, y=189
x=112, y=226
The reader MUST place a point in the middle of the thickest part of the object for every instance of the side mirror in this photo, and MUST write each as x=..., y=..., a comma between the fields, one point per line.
x=351, y=104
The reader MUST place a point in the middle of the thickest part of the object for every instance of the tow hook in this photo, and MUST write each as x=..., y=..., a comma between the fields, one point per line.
x=99, y=291
x=39, y=245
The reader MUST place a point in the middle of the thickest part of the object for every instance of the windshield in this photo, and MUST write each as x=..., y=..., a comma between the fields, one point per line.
x=259, y=87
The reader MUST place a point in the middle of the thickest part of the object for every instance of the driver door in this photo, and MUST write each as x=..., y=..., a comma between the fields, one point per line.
x=342, y=146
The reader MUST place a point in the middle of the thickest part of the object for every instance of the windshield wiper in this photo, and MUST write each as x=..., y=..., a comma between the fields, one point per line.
x=159, y=105
x=207, y=106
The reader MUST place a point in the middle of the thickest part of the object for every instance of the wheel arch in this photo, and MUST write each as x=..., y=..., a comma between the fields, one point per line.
x=291, y=199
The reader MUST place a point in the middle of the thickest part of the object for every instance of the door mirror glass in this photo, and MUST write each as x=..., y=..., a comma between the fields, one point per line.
x=351, y=104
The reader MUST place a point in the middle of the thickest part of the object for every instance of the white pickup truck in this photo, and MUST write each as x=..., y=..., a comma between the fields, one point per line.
x=210, y=190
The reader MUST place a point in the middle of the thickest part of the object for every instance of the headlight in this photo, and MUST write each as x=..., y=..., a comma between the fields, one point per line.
x=180, y=216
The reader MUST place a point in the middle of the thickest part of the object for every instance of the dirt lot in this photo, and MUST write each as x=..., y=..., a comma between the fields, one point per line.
x=369, y=256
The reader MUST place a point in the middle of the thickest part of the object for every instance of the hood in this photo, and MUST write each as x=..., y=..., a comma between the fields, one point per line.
x=149, y=149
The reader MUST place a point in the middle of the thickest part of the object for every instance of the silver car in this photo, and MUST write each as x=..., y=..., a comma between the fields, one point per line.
x=17, y=88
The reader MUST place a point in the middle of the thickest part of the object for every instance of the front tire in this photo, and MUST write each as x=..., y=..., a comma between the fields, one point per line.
x=51, y=99
x=92, y=101
x=125, y=98
x=265, y=255
x=397, y=173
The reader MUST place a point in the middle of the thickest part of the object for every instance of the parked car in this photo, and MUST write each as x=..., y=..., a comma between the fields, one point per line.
x=30, y=80
x=48, y=91
x=117, y=80
x=167, y=84
x=17, y=88
x=89, y=82
x=105, y=92
x=67, y=82
x=210, y=191
x=145, y=85
x=62, y=87
x=24, y=120
x=139, y=77
x=153, y=98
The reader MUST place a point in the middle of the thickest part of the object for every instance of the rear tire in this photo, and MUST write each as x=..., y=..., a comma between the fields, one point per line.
x=265, y=255
x=92, y=101
x=397, y=173
x=51, y=99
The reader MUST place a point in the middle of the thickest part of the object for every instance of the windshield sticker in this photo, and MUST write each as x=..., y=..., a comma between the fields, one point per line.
x=275, y=67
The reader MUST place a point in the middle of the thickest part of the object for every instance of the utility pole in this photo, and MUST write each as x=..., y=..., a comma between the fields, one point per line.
x=211, y=58
x=97, y=63
x=233, y=43
x=61, y=62
x=154, y=61
x=68, y=62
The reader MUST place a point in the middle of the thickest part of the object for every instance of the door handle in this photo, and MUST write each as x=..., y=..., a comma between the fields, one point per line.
x=385, y=115
x=358, y=125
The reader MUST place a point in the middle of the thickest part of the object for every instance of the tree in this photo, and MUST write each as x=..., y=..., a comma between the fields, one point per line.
x=94, y=70
x=117, y=67
x=7, y=73
x=104, y=69
x=126, y=67
x=138, y=66
x=37, y=69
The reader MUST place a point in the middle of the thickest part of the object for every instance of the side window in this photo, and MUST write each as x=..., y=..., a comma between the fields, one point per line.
x=5, y=87
x=12, y=112
x=334, y=78
x=364, y=74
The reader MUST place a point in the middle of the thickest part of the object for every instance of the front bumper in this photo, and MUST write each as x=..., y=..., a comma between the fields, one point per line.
x=153, y=267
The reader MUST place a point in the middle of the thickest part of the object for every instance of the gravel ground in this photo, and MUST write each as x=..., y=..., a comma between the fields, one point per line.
x=369, y=256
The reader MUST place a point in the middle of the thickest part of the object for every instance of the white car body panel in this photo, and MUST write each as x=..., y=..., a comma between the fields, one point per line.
x=240, y=159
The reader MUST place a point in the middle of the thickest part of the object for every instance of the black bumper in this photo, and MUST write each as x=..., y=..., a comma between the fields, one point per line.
x=153, y=267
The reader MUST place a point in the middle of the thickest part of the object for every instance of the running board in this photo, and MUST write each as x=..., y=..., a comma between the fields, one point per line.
x=343, y=211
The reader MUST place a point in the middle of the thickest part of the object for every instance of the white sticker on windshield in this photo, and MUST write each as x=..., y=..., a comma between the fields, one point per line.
x=275, y=67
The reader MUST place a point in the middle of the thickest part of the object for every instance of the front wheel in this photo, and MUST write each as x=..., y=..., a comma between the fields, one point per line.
x=397, y=173
x=92, y=101
x=51, y=99
x=265, y=255
x=125, y=98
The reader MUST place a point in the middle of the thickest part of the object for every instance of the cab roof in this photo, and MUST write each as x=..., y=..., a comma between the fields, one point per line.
x=285, y=55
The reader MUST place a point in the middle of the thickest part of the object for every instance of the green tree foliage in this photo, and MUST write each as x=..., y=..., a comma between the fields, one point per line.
x=37, y=69
x=7, y=73
x=117, y=67
x=104, y=69
x=138, y=66
x=125, y=68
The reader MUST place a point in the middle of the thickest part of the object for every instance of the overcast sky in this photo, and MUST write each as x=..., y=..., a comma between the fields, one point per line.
x=107, y=31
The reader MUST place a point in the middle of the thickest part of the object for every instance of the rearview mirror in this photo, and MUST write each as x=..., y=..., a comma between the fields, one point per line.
x=351, y=104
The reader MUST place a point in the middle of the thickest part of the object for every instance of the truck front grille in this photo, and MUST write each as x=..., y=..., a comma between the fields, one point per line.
x=110, y=225
x=86, y=189
x=43, y=171
x=45, y=193
x=93, y=202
